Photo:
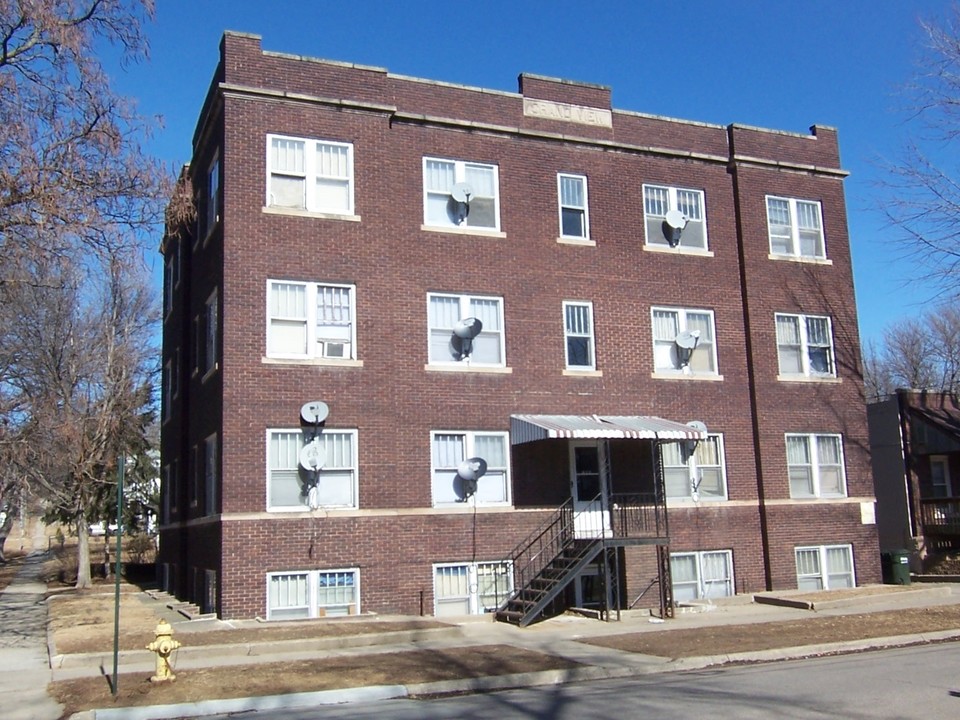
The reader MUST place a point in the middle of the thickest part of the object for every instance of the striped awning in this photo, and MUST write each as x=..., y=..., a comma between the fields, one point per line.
x=529, y=428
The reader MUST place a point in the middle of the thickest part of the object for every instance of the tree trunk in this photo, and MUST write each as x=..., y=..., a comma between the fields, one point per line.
x=83, y=553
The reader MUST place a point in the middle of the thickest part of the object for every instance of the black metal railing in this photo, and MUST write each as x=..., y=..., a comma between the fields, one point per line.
x=940, y=516
x=637, y=515
x=540, y=547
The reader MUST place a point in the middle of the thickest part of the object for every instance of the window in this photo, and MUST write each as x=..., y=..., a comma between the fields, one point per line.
x=701, y=575
x=289, y=485
x=196, y=475
x=672, y=357
x=573, y=206
x=211, y=329
x=694, y=471
x=470, y=588
x=313, y=175
x=211, y=474
x=443, y=314
x=449, y=449
x=213, y=196
x=805, y=345
x=659, y=200
x=313, y=593
x=166, y=395
x=940, y=476
x=168, y=270
x=309, y=320
x=825, y=567
x=209, y=591
x=442, y=209
x=815, y=466
x=166, y=491
x=795, y=228
x=174, y=487
x=578, y=331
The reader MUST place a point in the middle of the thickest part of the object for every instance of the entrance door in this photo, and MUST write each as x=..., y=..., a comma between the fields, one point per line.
x=587, y=488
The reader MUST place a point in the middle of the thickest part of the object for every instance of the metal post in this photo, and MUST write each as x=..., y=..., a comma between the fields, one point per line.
x=116, y=575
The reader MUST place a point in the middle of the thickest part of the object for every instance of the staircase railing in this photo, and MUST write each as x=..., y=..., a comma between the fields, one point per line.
x=540, y=547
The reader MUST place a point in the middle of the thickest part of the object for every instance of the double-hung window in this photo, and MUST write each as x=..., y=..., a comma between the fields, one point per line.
x=578, y=332
x=694, y=471
x=211, y=474
x=824, y=567
x=444, y=315
x=460, y=194
x=658, y=200
x=168, y=286
x=211, y=346
x=574, y=220
x=815, y=466
x=940, y=476
x=795, y=228
x=805, y=345
x=470, y=588
x=291, y=487
x=701, y=575
x=450, y=448
x=166, y=396
x=312, y=175
x=213, y=196
x=684, y=341
x=312, y=593
x=310, y=320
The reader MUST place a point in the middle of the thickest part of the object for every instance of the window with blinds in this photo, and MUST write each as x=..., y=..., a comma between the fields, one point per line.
x=310, y=175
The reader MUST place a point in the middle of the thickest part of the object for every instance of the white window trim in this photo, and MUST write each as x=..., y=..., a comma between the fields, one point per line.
x=355, y=465
x=312, y=323
x=672, y=191
x=460, y=176
x=313, y=607
x=310, y=205
x=701, y=585
x=684, y=372
x=469, y=444
x=213, y=209
x=211, y=334
x=807, y=373
x=585, y=209
x=813, y=448
x=592, y=365
x=468, y=362
x=473, y=585
x=824, y=571
x=795, y=229
x=695, y=478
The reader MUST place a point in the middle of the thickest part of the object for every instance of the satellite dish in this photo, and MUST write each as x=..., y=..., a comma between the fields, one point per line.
x=688, y=339
x=691, y=446
x=314, y=412
x=697, y=425
x=673, y=226
x=468, y=328
x=312, y=456
x=472, y=468
x=462, y=192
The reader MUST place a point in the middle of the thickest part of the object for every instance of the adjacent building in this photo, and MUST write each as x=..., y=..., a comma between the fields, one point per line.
x=435, y=349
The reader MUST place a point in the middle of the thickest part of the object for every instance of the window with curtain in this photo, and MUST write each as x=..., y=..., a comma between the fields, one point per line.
x=311, y=175
x=449, y=449
x=441, y=209
x=658, y=200
x=313, y=593
x=694, y=472
x=573, y=206
x=815, y=465
x=470, y=588
x=795, y=228
x=668, y=323
x=701, y=575
x=443, y=314
x=288, y=483
x=825, y=567
x=805, y=345
x=310, y=320
x=211, y=333
x=578, y=331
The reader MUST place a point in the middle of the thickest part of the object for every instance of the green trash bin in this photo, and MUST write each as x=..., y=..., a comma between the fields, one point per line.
x=895, y=565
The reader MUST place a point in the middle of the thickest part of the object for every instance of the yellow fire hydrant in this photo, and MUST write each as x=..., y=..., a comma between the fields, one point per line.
x=163, y=645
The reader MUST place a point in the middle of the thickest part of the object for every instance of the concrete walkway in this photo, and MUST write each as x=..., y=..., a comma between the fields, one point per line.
x=24, y=665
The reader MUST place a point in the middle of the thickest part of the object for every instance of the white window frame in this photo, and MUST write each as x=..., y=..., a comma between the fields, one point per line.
x=823, y=578
x=793, y=239
x=664, y=345
x=705, y=585
x=815, y=465
x=311, y=174
x=441, y=475
x=946, y=487
x=688, y=452
x=805, y=346
x=465, y=312
x=211, y=325
x=213, y=195
x=303, y=435
x=211, y=473
x=460, y=168
x=317, y=347
x=673, y=202
x=311, y=606
x=472, y=597
x=578, y=333
x=582, y=209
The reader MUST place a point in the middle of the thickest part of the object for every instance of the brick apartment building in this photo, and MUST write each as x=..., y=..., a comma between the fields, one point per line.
x=535, y=279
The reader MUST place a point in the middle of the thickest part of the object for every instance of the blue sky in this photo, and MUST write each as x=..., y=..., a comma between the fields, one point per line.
x=777, y=64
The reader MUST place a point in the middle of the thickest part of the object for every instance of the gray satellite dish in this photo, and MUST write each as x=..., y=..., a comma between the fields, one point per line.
x=673, y=226
x=314, y=412
x=688, y=339
x=468, y=328
x=697, y=425
x=468, y=472
x=312, y=456
x=462, y=192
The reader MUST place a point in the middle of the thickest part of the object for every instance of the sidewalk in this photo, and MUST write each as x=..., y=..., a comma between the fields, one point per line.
x=24, y=649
